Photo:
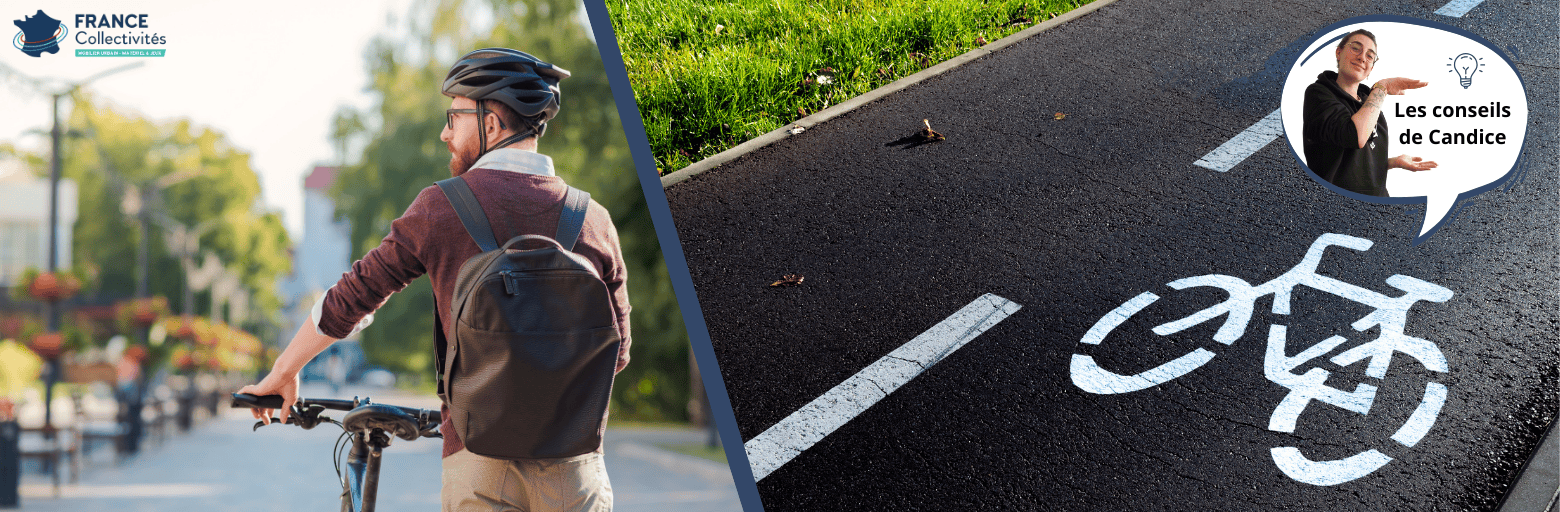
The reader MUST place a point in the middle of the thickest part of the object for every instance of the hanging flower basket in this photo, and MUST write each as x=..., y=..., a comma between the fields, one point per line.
x=213, y=363
x=53, y=286
x=184, y=360
x=35, y=284
x=141, y=313
x=144, y=316
x=47, y=345
x=184, y=328
x=135, y=353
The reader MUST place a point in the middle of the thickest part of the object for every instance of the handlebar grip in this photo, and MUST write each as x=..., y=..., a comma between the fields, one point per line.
x=246, y=400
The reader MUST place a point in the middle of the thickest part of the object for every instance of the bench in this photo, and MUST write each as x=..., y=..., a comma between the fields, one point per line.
x=51, y=445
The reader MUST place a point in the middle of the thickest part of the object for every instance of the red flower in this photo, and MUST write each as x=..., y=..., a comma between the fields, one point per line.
x=53, y=286
x=135, y=353
x=47, y=345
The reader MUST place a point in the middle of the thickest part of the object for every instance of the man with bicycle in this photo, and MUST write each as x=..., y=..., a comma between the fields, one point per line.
x=501, y=100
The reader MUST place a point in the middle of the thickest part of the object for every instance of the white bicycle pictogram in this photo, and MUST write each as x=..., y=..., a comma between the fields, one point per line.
x=1390, y=313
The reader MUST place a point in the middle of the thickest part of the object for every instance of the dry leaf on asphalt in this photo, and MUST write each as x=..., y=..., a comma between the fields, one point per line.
x=929, y=133
x=1059, y=116
x=788, y=280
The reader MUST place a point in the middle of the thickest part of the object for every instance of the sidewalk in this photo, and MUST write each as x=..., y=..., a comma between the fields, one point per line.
x=221, y=465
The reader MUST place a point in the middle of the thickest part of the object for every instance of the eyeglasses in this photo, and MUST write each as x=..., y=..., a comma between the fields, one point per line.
x=1357, y=48
x=449, y=115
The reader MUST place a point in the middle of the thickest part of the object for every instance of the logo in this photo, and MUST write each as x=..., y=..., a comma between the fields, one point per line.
x=1465, y=66
x=39, y=34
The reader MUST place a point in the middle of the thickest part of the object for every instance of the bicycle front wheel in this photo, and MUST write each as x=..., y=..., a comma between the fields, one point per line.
x=1089, y=376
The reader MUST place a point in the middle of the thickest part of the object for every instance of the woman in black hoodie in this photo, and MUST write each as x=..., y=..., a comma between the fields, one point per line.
x=1345, y=134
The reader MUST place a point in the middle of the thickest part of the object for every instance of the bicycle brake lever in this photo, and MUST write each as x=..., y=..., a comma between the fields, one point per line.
x=274, y=419
x=308, y=418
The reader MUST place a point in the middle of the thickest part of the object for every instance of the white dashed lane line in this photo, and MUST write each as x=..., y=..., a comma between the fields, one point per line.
x=1457, y=8
x=821, y=417
x=1259, y=135
x=1248, y=142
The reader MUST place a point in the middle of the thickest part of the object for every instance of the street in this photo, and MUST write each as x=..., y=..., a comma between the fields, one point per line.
x=1069, y=185
x=222, y=466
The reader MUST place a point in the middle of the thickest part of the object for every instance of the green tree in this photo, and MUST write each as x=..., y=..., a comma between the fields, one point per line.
x=402, y=154
x=199, y=177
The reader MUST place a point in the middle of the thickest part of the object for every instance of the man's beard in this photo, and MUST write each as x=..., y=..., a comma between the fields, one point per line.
x=461, y=159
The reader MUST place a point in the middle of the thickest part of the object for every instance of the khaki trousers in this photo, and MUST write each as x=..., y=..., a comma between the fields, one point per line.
x=473, y=483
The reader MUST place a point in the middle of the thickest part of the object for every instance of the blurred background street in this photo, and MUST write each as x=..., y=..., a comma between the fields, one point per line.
x=168, y=221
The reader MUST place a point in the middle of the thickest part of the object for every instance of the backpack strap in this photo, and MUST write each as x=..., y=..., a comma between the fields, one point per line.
x=572, y=219
x=440, y=346
x=470, y=212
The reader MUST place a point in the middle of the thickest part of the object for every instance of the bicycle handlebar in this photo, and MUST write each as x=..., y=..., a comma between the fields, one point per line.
x=242, y=400
x=307, y=410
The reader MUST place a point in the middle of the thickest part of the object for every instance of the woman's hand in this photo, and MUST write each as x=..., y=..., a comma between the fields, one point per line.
x=1412, y=163
x=1396, y=86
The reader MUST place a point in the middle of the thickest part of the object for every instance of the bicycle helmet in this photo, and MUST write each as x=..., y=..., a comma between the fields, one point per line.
x=517, y=79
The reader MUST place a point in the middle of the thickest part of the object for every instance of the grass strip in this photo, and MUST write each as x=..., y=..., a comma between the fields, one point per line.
x=711, y=75
x=699, y=450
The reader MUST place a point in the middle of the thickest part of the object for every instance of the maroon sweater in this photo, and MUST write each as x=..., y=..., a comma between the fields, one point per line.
x=429, y=238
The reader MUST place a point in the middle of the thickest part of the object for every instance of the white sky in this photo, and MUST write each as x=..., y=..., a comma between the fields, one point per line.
x=269, y=76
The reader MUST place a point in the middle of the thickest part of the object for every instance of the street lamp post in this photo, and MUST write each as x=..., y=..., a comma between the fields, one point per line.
x=144, y=201
x=185, y=241
x=52, y=369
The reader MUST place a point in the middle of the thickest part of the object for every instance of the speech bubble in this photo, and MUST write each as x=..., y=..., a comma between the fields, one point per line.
x=1475, y=98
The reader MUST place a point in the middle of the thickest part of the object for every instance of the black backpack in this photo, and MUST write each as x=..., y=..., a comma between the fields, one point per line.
x=527, y=369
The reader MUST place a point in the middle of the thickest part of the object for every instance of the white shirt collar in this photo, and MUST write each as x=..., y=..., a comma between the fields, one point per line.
x=516, y=160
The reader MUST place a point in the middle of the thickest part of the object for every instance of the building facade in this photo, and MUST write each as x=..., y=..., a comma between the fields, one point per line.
x=24, y=221
x=323, y=253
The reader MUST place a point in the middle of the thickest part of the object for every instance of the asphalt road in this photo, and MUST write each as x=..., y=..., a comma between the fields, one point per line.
x=1072, y=218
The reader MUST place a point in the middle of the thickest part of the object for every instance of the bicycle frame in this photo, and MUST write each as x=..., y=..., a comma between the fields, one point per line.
x=360, y=486
x=370, y=426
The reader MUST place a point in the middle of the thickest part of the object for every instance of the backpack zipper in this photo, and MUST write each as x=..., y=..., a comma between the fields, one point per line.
x=512, y=277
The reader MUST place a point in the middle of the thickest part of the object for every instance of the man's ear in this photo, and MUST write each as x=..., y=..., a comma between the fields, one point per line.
x=495, y=121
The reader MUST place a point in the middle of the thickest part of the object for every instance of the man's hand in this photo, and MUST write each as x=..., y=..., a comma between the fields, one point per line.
x=1396, y=86
x=1412, y=163
x=283, y=379
x=275, y=384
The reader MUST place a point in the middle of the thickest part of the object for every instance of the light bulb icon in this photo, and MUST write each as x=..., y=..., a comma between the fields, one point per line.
x=1465, y=66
